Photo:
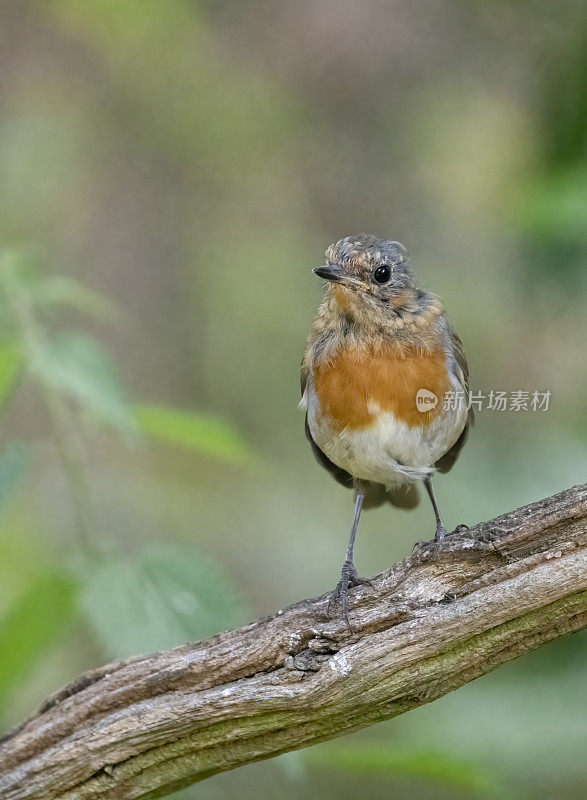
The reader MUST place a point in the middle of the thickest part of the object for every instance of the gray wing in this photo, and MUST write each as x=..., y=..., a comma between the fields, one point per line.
x=338, y=473
x=446, y=462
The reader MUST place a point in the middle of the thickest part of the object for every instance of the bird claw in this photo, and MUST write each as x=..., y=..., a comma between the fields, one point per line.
x=460, y=528
x=433, y=547
x=440, y=535
x=348, y=580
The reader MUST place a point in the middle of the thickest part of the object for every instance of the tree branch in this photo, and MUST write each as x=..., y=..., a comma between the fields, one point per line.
x=153, y=724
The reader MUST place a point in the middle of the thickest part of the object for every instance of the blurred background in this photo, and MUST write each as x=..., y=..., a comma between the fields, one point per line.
x=169, y=175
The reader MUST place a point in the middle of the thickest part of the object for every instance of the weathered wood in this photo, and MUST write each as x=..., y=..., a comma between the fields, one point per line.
x=152, y=724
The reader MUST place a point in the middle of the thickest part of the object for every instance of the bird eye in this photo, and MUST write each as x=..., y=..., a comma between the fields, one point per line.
x=382, y=274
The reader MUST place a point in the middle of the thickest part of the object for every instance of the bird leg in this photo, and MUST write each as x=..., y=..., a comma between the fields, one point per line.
x=349, y=576
x=440, y=529
x=435, y=546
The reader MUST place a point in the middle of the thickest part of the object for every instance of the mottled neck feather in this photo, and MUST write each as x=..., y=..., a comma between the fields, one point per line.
x=352, y=319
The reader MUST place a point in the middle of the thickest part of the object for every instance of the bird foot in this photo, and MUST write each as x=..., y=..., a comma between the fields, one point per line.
x=434, y=547
x=442, y=537
x=348, y=579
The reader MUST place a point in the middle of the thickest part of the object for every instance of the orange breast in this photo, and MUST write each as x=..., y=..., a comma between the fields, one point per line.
x=351, y=385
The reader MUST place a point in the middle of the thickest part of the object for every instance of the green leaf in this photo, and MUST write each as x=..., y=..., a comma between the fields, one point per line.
x=11, y=362
x=17, y=271
x=61, y=291
x=382, y=760
x=165, y=597
x=12, y=465
x=32, y=623
x=206, y=434
x=77, y=366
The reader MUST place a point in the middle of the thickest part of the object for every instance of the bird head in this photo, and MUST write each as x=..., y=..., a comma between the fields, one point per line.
x=377, y=270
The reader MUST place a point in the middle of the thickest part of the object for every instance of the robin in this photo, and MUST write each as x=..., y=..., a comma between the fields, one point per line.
x=380, y=359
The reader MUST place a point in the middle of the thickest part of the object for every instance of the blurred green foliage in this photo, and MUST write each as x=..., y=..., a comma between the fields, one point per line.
x=197, y=432
x=134, y=603
x=166, y=596
x=438, y=768
x=13, y=459
x=34, y=622
x=10, y=363
x=179, y=167
x=77, y=366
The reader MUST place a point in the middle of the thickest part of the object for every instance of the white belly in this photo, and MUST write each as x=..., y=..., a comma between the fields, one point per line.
x=389, y=451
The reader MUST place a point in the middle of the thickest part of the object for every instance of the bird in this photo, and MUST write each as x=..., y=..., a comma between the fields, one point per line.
x=382, y=358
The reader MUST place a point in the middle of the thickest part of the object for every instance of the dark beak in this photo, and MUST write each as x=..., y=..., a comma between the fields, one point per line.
x=330, y=272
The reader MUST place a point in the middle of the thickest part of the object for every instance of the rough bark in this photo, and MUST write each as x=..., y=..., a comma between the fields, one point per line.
x=152, y=724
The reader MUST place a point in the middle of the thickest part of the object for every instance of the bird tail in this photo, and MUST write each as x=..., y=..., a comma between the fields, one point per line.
x=405, y=496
